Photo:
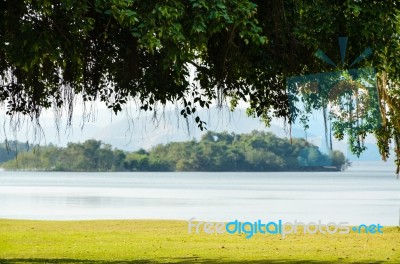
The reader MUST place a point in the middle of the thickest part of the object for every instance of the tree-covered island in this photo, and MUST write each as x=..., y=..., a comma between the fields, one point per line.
x=256, y=151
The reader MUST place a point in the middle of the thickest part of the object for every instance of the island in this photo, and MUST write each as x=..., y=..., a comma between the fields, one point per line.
x=256, y=151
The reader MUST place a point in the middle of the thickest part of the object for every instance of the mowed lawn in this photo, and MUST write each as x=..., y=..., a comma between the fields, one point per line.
x=142, y=241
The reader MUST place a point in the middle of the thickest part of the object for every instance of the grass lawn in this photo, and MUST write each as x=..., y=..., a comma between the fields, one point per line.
x=140, y=241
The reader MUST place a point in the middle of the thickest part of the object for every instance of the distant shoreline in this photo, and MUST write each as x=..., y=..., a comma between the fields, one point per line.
x=313, y=169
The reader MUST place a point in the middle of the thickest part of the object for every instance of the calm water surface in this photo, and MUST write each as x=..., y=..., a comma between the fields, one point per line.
x=360, y=195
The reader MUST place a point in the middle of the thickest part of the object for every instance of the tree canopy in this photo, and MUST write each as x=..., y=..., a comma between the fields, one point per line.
x=52, y=52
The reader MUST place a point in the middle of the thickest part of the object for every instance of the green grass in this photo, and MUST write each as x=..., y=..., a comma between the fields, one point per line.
x=139, y=241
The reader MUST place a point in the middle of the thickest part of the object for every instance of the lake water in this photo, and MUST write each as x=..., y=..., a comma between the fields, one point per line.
x=361, y=195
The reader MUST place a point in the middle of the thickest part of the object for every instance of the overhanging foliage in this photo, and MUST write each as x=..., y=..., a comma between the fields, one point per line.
x=112, y=51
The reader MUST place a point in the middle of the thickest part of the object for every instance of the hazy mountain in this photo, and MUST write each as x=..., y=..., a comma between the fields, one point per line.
x=145, y=132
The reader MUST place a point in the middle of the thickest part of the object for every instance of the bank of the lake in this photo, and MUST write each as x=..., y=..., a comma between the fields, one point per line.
x=141, y=241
